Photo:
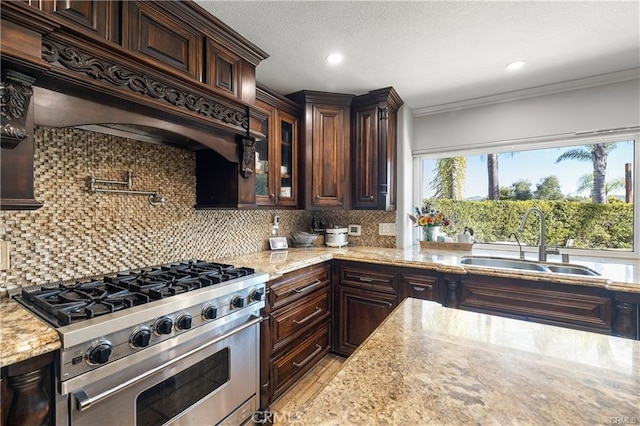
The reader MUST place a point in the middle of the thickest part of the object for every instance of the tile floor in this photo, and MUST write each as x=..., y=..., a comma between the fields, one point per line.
x=294, y=400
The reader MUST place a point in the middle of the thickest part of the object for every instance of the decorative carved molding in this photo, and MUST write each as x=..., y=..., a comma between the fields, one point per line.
x=15, y=94
x=624, y=323
x=30, y=405
x=118, y=75
x=248, y=155
x=452, y=294
x=383, y=113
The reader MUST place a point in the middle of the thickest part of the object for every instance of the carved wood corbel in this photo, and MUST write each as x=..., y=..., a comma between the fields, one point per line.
x=248, y=156
x=15, y=94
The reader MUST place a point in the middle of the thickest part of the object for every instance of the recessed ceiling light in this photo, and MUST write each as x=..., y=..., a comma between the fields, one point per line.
x=334, y=58
x=516, y=65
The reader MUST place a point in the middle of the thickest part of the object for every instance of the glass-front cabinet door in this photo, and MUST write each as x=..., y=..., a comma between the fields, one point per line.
x=275, y=168
x=286, y=138
x=263, y=193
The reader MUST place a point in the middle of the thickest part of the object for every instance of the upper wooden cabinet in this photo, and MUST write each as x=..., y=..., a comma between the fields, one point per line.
x=374, y=145
x=99, y=17
x=159, y=65
x=151, y=31
x=276, y=162
x=325, y=150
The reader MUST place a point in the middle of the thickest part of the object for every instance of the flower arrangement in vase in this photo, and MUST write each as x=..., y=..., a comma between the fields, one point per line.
x=430, y=221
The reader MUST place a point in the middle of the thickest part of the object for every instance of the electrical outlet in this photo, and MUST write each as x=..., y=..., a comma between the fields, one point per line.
x=4, y=255
x=387, y=229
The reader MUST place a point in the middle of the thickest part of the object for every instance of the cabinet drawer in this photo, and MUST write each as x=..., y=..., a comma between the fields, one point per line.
x=419, y=286
x=289, y=323
x=368, y=279
x=297, y=285
x=300, y=359
x=591, y=312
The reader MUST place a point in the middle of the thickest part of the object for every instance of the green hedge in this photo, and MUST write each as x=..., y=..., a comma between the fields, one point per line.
x=589, y=225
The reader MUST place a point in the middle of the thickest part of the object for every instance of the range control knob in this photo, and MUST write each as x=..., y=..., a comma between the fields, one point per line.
x=256, y=295
x=164, y=325
x=183, y=322
x=140, y=338
x=209, y=312
x=237, y=302
x=100, y=353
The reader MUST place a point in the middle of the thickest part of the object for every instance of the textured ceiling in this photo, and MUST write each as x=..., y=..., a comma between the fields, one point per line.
x=434, y=52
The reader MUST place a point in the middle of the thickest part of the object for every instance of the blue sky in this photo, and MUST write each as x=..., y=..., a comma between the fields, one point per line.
x=536, y=165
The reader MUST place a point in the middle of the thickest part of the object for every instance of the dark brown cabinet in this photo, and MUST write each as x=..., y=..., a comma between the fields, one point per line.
x=582, y=308
x=364, y=295
x=26, y=393
x=419, y=286
x=166, y=71
x=325, y=150
x=361, y=312
x=99, y=17
x=296, y=328
x=276, y=165
x=374, y=149
x=165, y=38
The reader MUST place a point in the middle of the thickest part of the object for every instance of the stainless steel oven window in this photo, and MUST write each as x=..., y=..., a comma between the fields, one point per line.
x=167, y=399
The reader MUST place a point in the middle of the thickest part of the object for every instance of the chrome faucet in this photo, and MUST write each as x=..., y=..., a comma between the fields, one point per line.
x=542, y=248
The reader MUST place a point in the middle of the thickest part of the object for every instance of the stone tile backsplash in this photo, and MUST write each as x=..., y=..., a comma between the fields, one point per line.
x=78, y=234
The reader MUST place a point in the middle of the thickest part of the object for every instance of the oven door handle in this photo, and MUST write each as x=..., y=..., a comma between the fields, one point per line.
x=84, y=401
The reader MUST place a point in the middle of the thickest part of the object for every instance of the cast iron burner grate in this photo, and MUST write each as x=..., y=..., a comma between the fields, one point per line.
x=69, y=303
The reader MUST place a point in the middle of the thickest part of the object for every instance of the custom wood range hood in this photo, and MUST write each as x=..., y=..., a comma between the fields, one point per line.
x=157, y=71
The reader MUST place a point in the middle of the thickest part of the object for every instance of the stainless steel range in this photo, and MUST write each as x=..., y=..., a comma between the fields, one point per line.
x=171, y=344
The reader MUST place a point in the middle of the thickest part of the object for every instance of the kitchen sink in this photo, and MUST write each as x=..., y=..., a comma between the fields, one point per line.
x=493, y=262
x=571, y=269
x=527, y=265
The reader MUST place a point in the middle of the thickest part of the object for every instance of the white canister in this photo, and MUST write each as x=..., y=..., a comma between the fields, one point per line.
x=336, y=237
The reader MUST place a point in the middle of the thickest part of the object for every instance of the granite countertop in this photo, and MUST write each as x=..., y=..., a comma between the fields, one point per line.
x=24, y=336
x=616, y=274
x=432, y=365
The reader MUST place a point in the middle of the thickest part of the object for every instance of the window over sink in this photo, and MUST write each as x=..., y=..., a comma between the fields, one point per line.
x=585, y=187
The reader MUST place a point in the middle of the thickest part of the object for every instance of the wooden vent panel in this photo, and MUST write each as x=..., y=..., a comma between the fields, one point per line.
x=169, y=41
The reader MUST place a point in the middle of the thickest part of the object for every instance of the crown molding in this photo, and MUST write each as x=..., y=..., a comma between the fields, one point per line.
x=565, y=86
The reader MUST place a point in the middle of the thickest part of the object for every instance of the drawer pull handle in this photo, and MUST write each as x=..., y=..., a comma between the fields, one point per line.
x=307, y=288
x=308, y=317
x=309, y=358
x=366, y=279
x=422, y=288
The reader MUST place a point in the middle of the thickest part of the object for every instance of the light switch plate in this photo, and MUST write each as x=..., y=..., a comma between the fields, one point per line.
x=4, y=255
x=387, y=229
x=355, y=230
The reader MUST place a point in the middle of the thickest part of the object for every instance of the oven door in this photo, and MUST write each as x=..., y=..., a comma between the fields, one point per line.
x=199, y=382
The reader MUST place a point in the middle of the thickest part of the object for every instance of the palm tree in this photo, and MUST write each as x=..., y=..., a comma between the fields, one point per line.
x=586, y=183
x=492, y=171
x=450, y=174
x=597, y=154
